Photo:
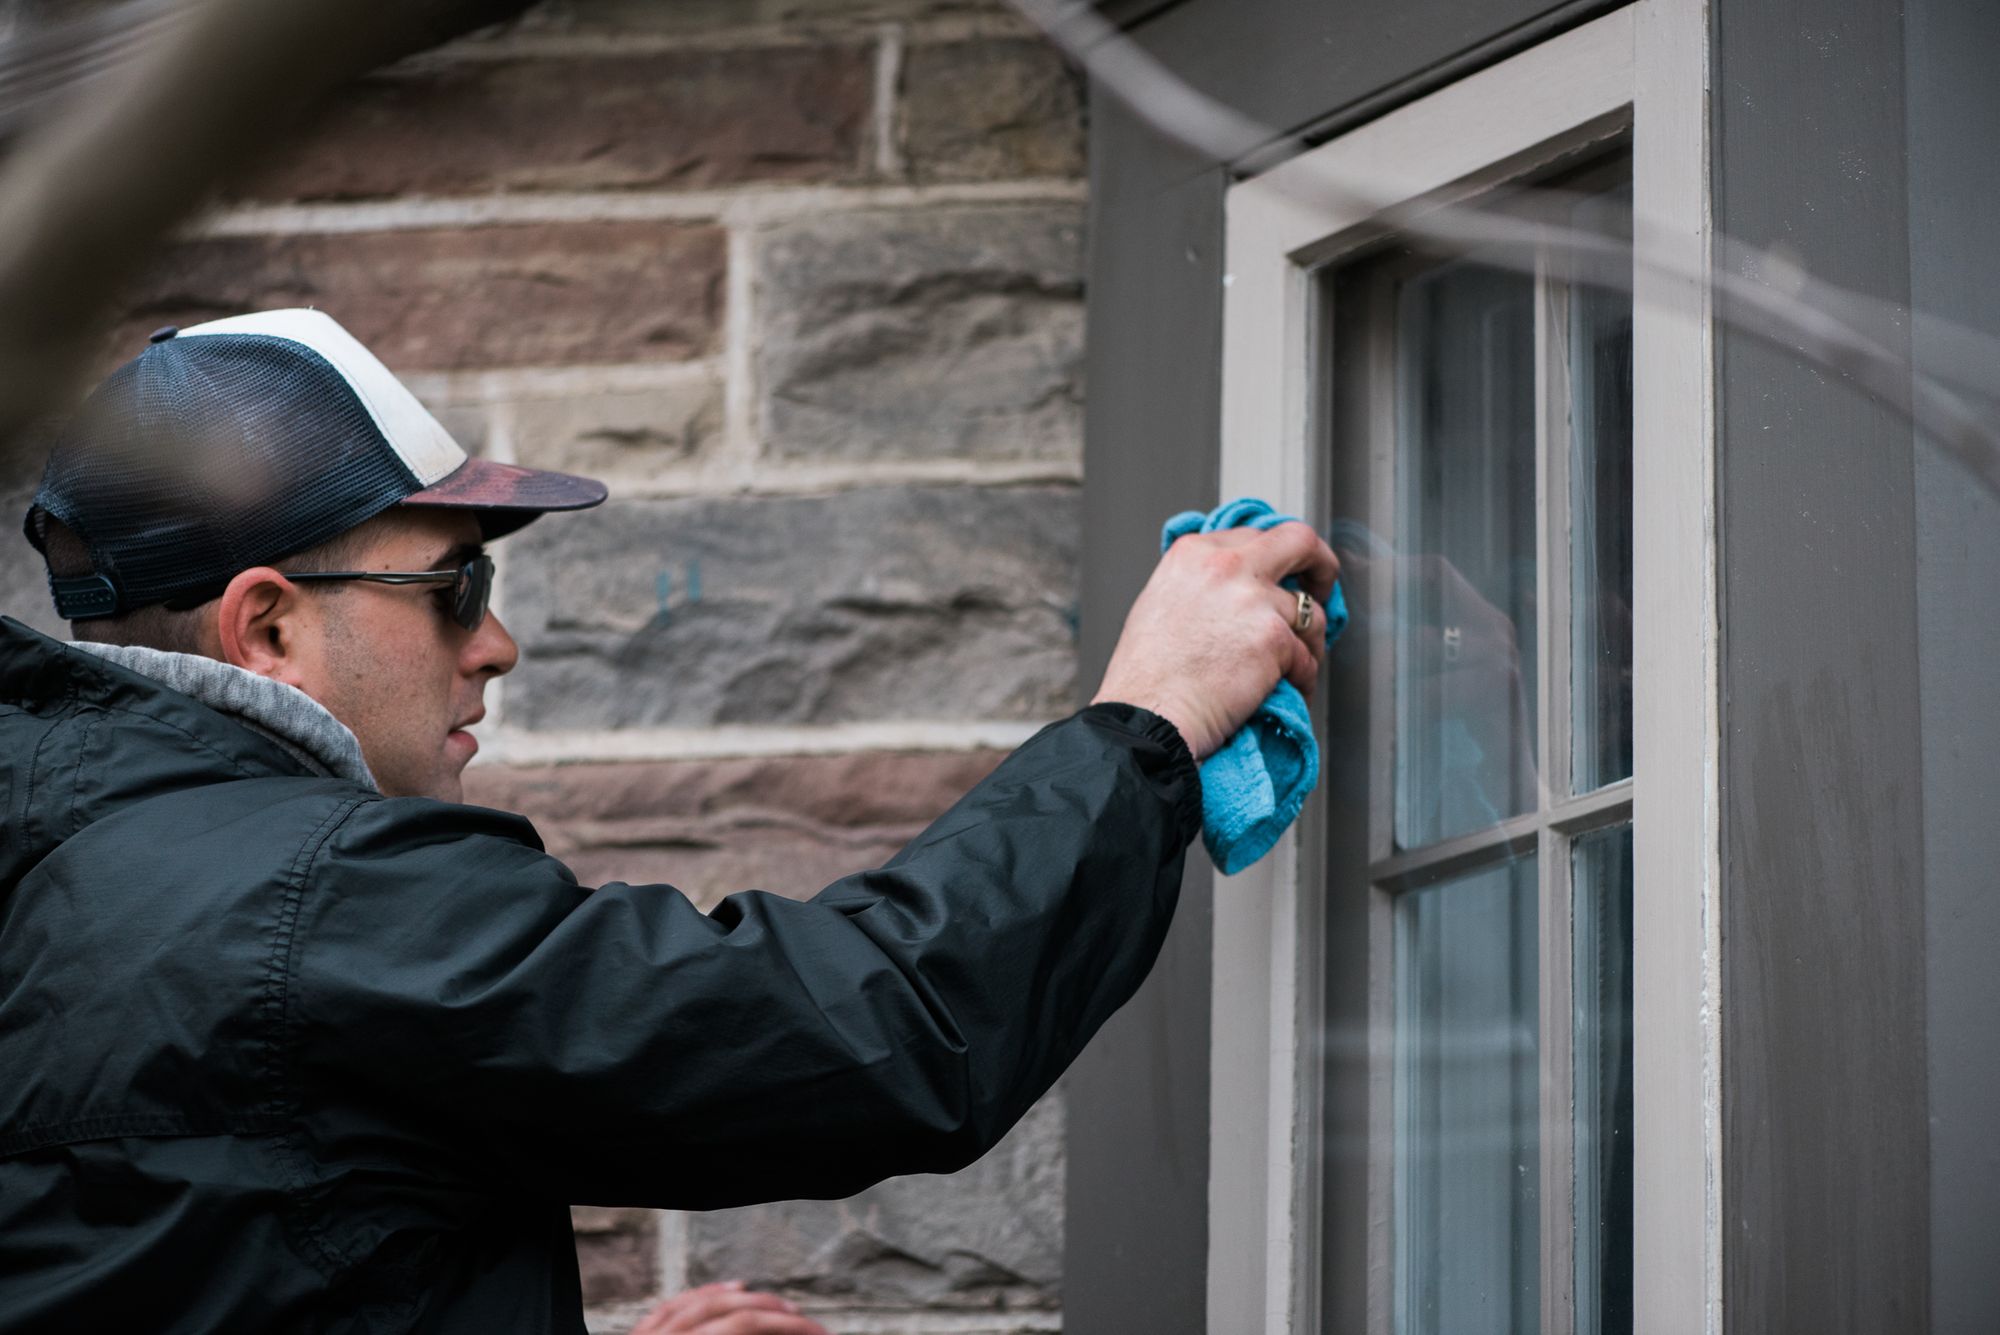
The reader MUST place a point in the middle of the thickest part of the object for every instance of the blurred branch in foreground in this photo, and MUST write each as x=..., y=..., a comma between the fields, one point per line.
x=150, y=107
x=1765, y=293
x=39, y=65
x=150, y=104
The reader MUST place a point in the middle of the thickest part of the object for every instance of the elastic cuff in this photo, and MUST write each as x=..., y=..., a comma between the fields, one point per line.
x=1180, y=761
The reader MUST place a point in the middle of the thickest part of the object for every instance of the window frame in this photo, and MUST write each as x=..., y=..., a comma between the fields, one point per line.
x=1639, y=69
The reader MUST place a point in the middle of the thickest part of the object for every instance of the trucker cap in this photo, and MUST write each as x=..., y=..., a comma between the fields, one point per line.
x=242, y=441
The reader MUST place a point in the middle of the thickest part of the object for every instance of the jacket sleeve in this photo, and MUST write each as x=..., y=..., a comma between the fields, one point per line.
x=618, y=1045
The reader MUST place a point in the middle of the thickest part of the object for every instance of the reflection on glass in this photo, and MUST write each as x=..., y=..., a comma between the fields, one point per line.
x=1600, y=375
x=1465, y=611
x=1468, y=1241
x=1602, y=1028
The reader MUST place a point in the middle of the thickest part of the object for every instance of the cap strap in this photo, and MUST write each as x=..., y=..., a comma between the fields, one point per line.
x=84, y=597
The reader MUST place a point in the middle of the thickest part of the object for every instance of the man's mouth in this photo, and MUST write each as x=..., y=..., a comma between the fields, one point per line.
x=460, y=734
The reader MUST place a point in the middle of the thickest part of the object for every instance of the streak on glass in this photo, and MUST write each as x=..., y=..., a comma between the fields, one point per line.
x=1465, y=601
x=1468, y=1160
x=1601, y=993
x=1600, y=377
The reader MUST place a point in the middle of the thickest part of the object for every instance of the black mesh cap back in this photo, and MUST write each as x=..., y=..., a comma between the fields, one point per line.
x=209, y=454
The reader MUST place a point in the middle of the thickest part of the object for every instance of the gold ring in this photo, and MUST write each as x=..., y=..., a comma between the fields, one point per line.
x=1303, y=622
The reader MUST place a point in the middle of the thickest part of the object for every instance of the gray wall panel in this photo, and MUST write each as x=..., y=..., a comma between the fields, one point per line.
x=1136, y=1228
x=1954, y=110
x=1825, y=1196
x=1315, y=66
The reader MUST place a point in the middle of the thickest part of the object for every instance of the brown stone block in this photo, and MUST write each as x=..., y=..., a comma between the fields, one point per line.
x=787, y=824
x=680, y=119
x=990, y=110
x=709, y=865
x=451, y=298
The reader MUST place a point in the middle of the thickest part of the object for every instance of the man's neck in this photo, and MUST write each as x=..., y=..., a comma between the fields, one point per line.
x=285, y=714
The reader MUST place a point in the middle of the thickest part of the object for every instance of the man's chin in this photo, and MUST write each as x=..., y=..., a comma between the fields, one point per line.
x=442, y=781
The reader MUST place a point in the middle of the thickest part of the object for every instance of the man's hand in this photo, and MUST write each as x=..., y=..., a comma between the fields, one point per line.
x=726, y=1309
x=1212, y=632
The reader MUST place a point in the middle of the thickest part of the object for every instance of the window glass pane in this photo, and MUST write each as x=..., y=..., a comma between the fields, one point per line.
x=1602, y=1030
x=1600, y=377
x=1465, y=611
x=1468, y=1161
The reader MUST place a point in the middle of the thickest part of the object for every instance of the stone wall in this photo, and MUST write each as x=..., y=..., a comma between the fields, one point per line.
x=802, y=281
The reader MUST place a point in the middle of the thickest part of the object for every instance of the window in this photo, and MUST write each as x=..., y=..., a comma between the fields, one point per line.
x=1462, y=1054
x=1479, y=458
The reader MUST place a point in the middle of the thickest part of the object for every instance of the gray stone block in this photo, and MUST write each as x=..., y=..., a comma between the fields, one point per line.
x=888, y=603
x=990, y=111
x=706, y=16
x=947, y=333
x=987, y=1237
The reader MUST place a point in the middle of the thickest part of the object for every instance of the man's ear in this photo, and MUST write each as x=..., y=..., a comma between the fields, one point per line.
x=258, y=624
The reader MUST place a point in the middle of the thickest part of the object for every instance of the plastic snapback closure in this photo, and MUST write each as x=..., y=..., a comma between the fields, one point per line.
x=84, y=597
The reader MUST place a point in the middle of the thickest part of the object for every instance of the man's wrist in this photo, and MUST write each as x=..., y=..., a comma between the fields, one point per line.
x=1165, y=710
x=1166, y=735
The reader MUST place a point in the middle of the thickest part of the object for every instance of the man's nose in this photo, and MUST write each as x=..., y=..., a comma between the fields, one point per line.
x=491, y=649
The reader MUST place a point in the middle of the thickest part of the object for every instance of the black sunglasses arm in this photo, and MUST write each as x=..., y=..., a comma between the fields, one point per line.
x=379, y=576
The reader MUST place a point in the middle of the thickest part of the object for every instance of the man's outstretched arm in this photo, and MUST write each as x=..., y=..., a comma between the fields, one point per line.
x=619, y=1046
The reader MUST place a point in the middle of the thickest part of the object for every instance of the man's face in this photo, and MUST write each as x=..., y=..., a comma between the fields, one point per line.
x=394, y=666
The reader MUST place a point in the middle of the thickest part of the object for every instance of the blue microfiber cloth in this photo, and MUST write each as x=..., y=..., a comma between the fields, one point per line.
x=1253, y=787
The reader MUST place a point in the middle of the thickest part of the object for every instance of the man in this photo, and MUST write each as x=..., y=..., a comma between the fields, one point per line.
x=294, y=1041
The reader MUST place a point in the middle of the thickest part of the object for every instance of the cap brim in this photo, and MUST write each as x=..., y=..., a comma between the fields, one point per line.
x=508, y=495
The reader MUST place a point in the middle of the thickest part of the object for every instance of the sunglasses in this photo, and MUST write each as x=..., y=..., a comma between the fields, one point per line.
x=471, y=585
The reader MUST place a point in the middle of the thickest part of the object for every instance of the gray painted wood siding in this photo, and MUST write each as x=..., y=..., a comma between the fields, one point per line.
x=1317, y=67
x=1136, y=1214
x=1824, y=1157
x=1137, y=1187
x=1954, y=178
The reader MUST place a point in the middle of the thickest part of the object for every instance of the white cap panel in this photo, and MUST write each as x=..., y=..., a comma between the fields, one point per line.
x=418, y=439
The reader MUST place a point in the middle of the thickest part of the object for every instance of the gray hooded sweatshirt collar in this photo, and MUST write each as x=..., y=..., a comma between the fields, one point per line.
x=284, y=714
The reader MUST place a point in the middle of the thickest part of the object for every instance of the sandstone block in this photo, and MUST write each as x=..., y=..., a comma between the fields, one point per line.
x=787, y=824
x=990, y=110
x=621, y=436
x=987, y=1237
x=616, y=1253
x=451, y=298
x=887, y=603
x=947, y=333
x=467, y=423
x=682, y=119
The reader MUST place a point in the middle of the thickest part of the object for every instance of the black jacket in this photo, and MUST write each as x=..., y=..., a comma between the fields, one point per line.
x=278, y=1053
